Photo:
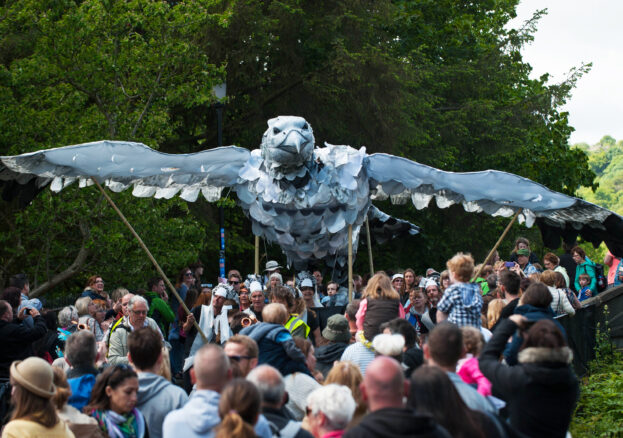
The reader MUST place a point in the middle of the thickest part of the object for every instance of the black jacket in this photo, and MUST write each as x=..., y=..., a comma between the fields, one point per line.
x=327, y=354
x=396, y=422
x=541, y=391
x=279, y=419
x=17, y=342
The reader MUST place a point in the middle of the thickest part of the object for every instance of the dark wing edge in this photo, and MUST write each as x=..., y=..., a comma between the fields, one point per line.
x=496, y=193
x=119, y=165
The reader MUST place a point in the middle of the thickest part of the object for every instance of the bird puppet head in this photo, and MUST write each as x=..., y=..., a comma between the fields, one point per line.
x=287, y=144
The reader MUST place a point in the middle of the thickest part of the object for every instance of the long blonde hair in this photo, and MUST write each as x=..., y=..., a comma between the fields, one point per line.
x=380, y=287
x=348, y=374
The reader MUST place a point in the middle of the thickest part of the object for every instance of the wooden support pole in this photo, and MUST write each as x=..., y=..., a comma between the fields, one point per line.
x=369, y=243
x=506, y=230
x=151, y=257
x=350, y=263
x=257, y=255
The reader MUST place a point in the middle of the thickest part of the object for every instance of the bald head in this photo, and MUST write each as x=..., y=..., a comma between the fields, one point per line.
x=211, y=368
x=269, y=382
x=383, y=384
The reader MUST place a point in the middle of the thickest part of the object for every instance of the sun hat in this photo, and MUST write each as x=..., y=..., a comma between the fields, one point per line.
x=34, y=375
x=272, y=265
x=337, y=329
x=523, y=252
x=307, y=283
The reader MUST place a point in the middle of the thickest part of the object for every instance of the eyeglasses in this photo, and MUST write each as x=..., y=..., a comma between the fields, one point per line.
x=234, y=282
x=188, y=274
x=239, y=358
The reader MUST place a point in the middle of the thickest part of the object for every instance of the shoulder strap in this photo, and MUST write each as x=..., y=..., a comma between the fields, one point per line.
x=291, y=429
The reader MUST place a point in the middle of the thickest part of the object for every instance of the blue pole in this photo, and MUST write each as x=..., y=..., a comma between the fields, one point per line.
x=221, y=260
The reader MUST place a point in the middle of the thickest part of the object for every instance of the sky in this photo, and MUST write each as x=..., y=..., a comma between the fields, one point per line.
x=574, y=32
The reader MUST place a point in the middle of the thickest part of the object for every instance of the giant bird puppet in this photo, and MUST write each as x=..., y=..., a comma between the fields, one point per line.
x=304, y=197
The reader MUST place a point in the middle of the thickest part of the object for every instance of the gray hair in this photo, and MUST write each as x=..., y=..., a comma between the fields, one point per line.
x=67, y=315
x=336, y=402
x=81, y=349
x=269, y=382
x=137, y=299
x=278, y=276
x=82, y=305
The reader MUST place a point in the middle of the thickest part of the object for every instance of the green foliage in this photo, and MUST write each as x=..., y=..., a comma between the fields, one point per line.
x=600, y=408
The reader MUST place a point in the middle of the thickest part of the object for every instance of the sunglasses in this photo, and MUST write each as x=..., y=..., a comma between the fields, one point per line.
x=234, y=282
x=239, y=358
x=188, y=274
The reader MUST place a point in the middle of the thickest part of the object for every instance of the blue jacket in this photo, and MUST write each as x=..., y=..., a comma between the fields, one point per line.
x=277, y=347
x=532, y=313
x=81, y=388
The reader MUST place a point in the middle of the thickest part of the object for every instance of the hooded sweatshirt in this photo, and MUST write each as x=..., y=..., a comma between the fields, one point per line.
x=197, y=418
x=396, y=422
x=327, y=354
x=156, y=398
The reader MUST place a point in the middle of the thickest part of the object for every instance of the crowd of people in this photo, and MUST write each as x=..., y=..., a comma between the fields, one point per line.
x=472, y=351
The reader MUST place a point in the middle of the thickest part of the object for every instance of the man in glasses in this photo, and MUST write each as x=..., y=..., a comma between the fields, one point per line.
x=234, y=281
x=137, y=318
x=242, y=350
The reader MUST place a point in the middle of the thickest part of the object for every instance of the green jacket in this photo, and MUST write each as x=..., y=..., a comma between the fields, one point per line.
x=165, y=314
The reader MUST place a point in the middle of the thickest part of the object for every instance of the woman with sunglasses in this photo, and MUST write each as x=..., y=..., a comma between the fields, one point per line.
x=113, y=403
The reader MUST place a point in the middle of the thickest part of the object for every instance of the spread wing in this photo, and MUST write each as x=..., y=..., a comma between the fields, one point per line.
x=120, y=164
x=498, y=194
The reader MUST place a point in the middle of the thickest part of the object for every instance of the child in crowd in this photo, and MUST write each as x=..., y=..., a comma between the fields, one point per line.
x=467, y=367
x=585, y=282
x=380, y=303
x=276, y=345
x=462, y=301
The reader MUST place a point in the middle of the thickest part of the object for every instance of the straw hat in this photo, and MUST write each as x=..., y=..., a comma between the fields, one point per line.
x=35, y=375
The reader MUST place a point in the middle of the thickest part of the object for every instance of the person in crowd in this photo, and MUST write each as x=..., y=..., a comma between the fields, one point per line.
x=398, y=283
x=309, y=294
x=296, y=326
x=522, y=243
x=244, y=297
x=494, y=312
x=13, y=296
x=552, y=262
x=159, y=310
x=417, y=310
x=234, y=280
x=100, y=317
x=384, y=389
x=94, y=288
x=348, y=374
x=410, y=283
x=239, y=410
x=357, y=286
x=258, y=301
x=197, y=270
x=125, y=313
x=137, y=318
x=411, y=354
x=185, y=281
x=275, y=280
x=338, y=335
x=67, y=321
x=199, y=416
x=510, y=286
x=542, y=390
x=80, y=424
x=187, y=320
x=300, y=385
x=336, y=296
x=34, y=415
x=21, y=282
x=444, y=281
x=17, y=338
x=567, y=262
x=523, y=256
x=303, y=304
x=584, y=291
x=269, y=381
x=320, y=288
x=612, y=262
x=113, y=403
x=467, y=367
x=86, y=312
x=275, y=343
x=243, y=351
x=116, y=297
x=380, y=303
x=272, y=267
x=213, y=320
x=81, y=355
x=584, y=266
x=444, y=348
x=534, y=304
x=432, y=393
x=560, y=303
x=350, y=314
x=462, y=301
x=331, y=408
x=562, y=286
x=156, y=396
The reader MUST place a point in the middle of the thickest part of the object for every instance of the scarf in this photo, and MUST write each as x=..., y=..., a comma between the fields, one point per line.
x=121, y=426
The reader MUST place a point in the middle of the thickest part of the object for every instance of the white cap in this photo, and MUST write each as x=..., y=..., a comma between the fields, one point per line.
x=220, y=291
x=430, y=282
x=307, y=283
x=255, y=286
x=398, y=276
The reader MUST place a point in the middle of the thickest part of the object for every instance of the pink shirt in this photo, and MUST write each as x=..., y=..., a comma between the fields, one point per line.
x=361, y=313
x=470, y=373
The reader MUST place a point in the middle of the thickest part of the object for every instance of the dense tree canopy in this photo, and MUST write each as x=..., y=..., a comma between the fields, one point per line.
x=440, y=82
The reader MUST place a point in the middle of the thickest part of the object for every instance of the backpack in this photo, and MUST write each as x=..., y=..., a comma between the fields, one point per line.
x=602, y=281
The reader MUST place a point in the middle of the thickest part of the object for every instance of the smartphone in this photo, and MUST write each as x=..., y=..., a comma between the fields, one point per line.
x=509, y=264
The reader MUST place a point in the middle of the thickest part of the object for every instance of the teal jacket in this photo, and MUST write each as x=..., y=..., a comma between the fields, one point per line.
x=587, y=267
